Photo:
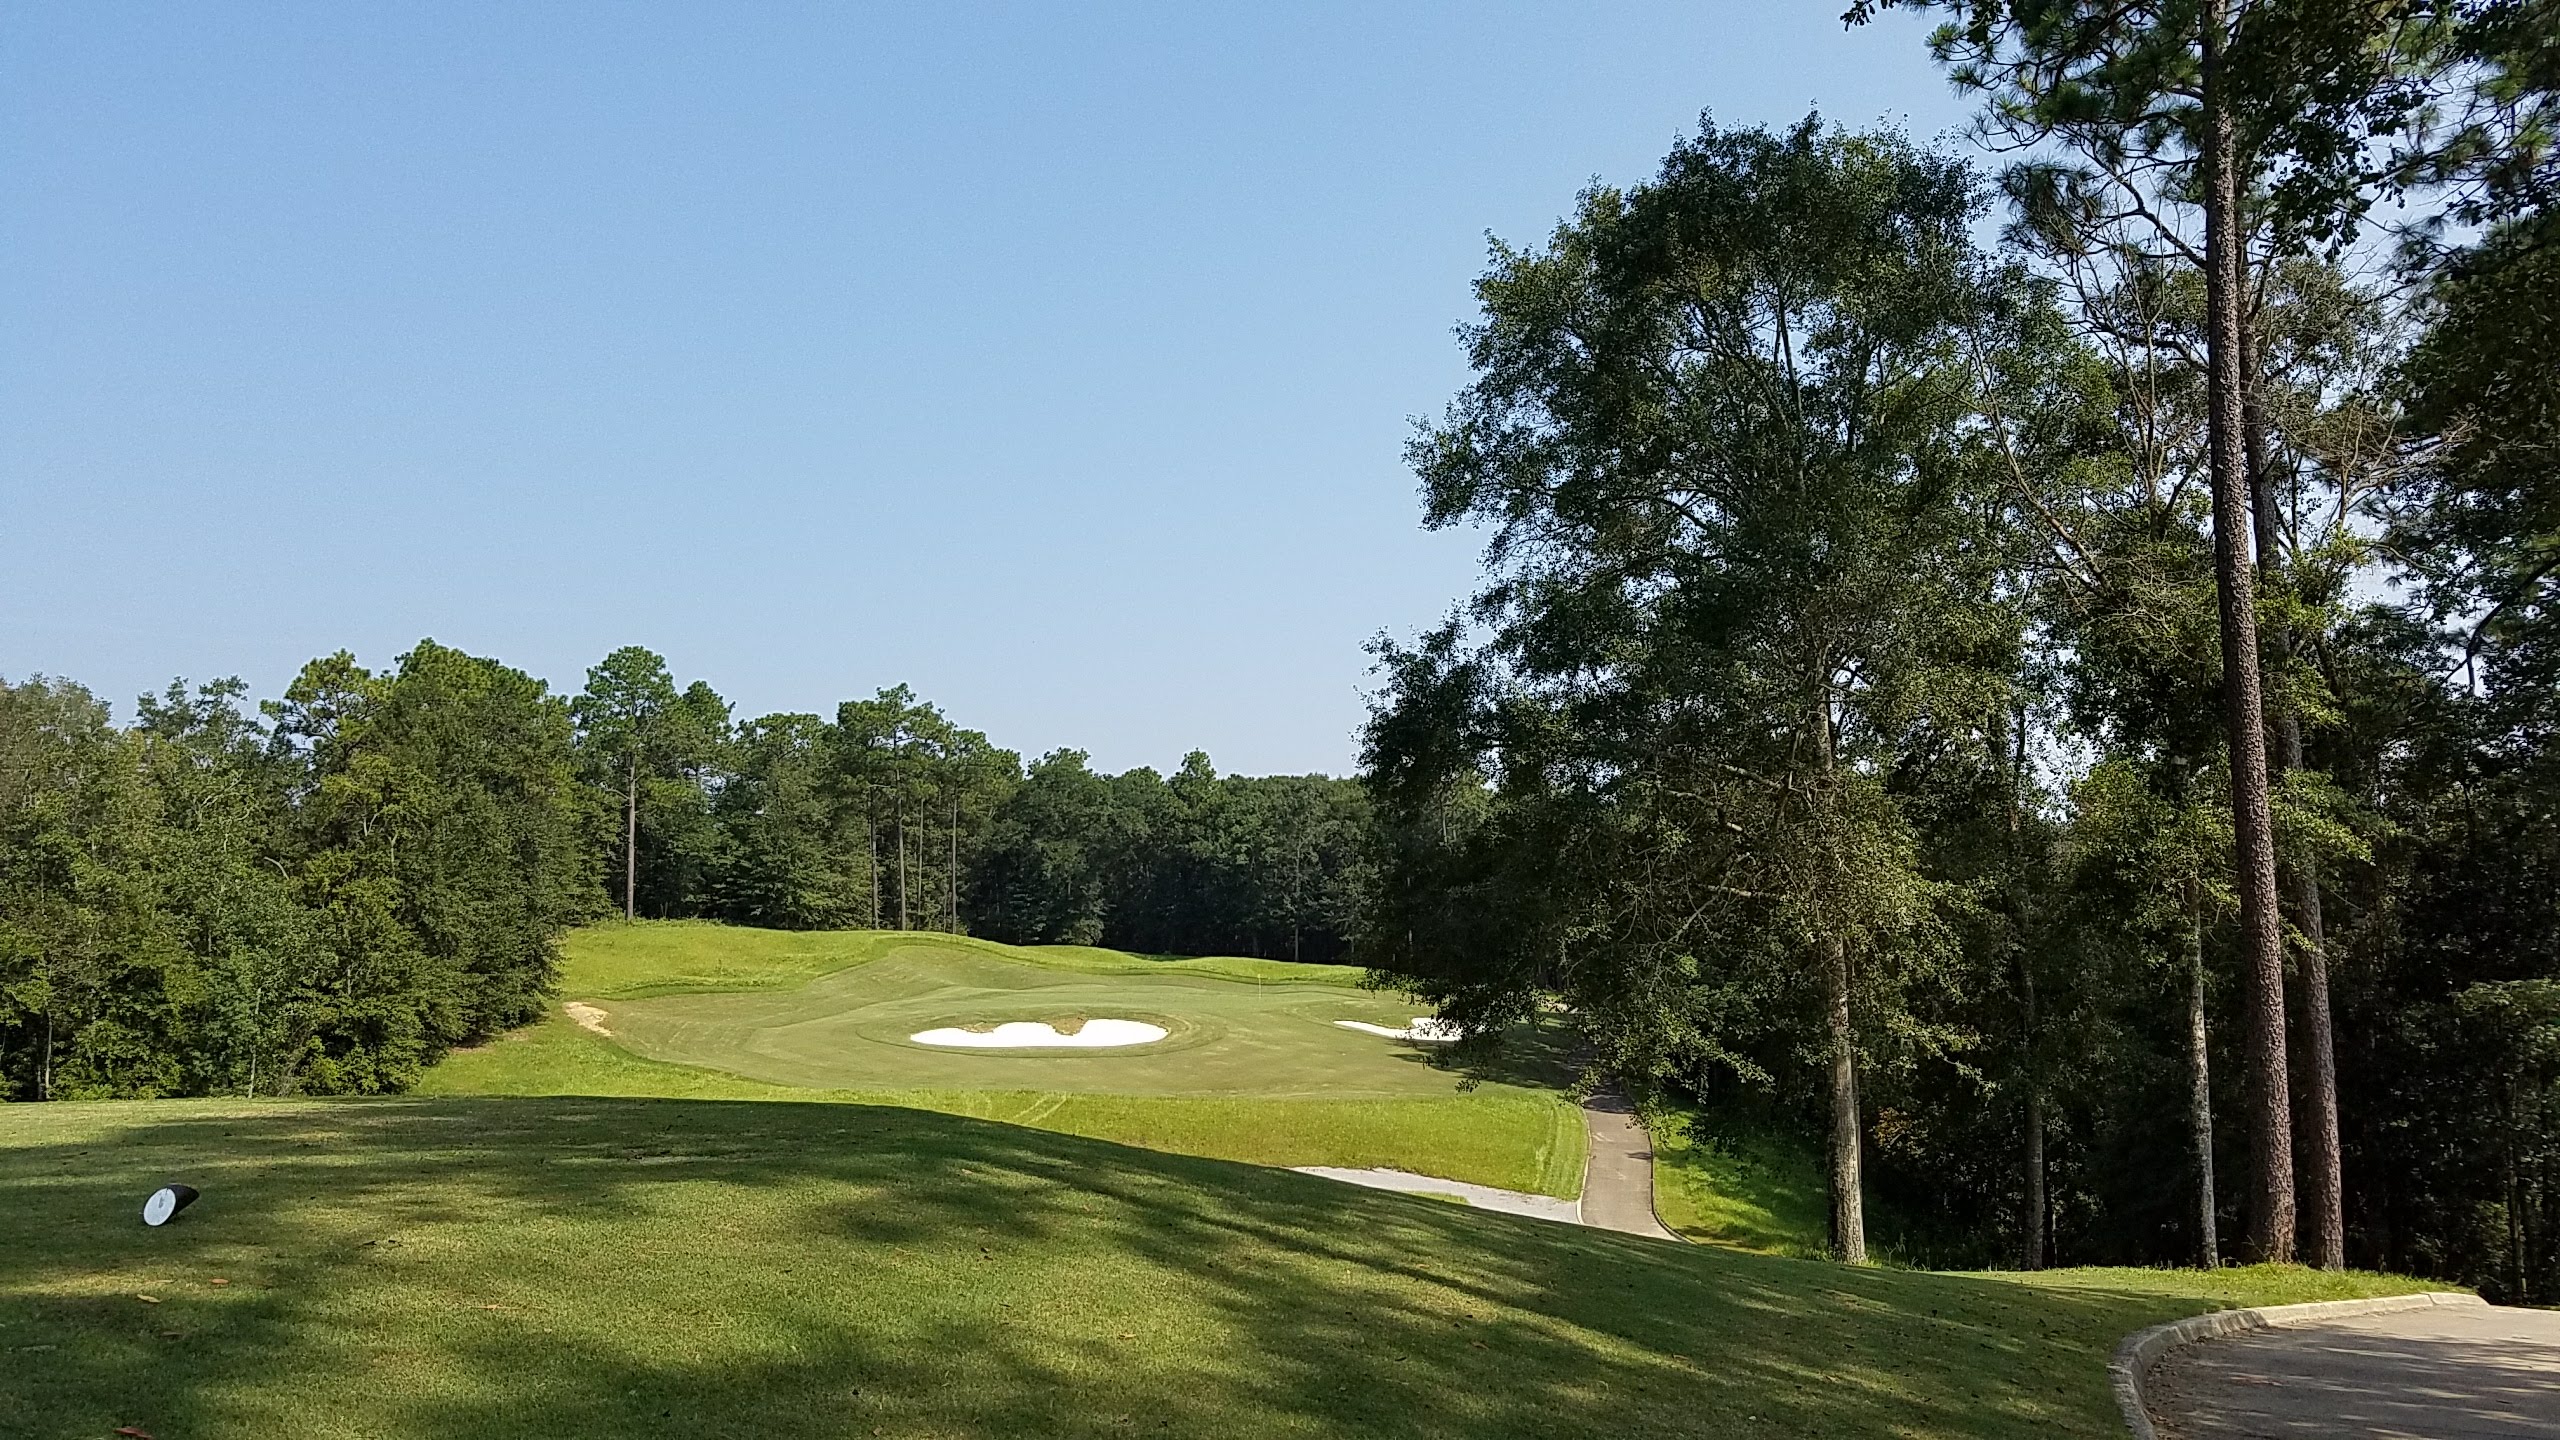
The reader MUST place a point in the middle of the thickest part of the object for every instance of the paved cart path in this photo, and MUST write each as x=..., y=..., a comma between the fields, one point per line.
x=1617, y=1189
x=2440, y=1373
x=1617, y=1185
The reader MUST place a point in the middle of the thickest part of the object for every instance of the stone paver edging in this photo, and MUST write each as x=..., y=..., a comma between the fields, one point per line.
x=2143, y=1348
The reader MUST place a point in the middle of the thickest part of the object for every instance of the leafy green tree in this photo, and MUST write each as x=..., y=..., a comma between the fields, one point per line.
x=925, y=786
x=2496, y=149
x=789, y=855
x=2469, y=766
x=680, y=835
x=226, y=796
x=651, y=743
x=2483, y=524
x=2179, y=133
x=1200, y=863
x=1744, y=559
x=1041, y=877
x=443, y=849
x=84, y=958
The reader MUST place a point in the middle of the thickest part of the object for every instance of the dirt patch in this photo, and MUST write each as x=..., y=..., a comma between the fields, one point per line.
x=587, y=1015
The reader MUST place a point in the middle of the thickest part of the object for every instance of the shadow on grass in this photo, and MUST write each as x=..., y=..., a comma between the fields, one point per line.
x=570, y=1267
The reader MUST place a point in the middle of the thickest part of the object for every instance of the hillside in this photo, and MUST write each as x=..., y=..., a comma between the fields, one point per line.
x=551, y=1267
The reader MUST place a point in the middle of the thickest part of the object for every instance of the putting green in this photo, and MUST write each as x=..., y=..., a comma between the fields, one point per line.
x=852, y=1029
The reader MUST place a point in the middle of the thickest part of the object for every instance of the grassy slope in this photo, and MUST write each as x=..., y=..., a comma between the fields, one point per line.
x=618, y=961
x=575, y=1267
x=1514, y=1136
x=1749, y=1192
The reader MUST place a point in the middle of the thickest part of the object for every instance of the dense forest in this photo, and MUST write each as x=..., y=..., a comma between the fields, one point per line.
x=323, y=893
x=2068, y=723
x=2066, y=726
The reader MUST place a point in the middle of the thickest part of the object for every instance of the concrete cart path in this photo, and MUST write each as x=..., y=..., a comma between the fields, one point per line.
x=1483, y=1197
x=1617, y=1184
x=2439, y=1373
x=1617, y=1189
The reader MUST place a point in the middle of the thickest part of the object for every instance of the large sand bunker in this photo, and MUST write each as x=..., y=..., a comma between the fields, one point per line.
x=1040, y=1035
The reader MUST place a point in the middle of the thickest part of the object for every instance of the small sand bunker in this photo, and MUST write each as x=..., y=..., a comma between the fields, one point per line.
x=587, y=1015
x=1428, y=1029
x=1039, y=1034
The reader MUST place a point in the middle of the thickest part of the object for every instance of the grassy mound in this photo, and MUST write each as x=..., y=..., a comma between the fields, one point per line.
x=599, y=1267
x=1255, y=1070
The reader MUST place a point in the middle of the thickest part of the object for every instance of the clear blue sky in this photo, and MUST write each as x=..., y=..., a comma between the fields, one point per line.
x=1054, y=359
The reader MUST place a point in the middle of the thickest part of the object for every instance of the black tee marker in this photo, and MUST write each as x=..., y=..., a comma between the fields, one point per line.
x=166, y=1202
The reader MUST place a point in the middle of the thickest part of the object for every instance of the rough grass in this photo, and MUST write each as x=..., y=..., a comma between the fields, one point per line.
x=603, y=1267
x=1737, y=1188
x=1287, y=1087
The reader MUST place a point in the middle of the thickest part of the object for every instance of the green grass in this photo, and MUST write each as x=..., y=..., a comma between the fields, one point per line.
x=1738, y=1188
x=1495, y=1135
x=1254, y=1070
x=566, y=1267
x=629, y=961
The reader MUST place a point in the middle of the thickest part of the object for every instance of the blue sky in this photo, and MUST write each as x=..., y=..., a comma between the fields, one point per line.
x=1056, y=360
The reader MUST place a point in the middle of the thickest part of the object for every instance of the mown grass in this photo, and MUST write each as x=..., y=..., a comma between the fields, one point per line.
x=619, y=960
x=1493, y=1135
x=565, y=1267
x=670, y=982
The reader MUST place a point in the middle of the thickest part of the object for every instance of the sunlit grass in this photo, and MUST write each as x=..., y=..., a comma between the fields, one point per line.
x=1739, y=1188
x=608, y=1267
x=1296, y=1090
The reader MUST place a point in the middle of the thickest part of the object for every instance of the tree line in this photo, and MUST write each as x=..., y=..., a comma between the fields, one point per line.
x=323, y=893
x=2005, y=708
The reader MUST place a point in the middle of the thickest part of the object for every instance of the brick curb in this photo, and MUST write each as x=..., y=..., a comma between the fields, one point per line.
x=2143, y=1348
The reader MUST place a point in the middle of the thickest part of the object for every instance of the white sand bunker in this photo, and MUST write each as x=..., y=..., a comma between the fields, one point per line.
x=1039, y=1034
x=1426, y=1028
x=588, y=1016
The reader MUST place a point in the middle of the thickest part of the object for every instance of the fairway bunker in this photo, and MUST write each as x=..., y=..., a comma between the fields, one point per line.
x=1041, y=1035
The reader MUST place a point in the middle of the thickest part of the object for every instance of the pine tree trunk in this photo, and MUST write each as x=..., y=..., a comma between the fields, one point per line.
x=871, y=863
x=2515, y=1202
x=2327, y=1222
x=2033, y=1248
x=1848, y=1210
x=631, y=840
x=2034, y=1244
x=2324, y=1226
x=2271, y=1211
x=2200, y=1086
x=901, y=830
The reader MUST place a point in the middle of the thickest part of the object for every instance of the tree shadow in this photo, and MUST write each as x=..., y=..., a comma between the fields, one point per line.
x=574, y=1266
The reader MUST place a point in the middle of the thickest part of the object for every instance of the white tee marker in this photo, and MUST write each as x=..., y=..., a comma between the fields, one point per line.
x=165, y=1203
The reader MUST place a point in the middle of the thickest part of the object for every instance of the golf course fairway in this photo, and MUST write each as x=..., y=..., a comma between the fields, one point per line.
x=1253, y=1066
x=570, y=1267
